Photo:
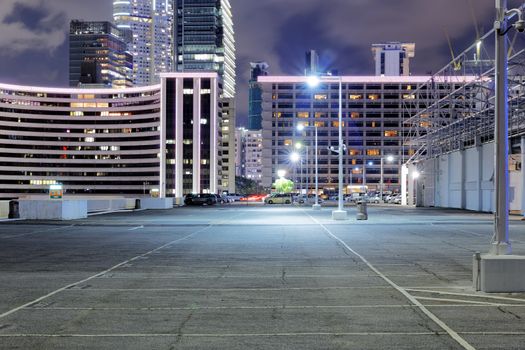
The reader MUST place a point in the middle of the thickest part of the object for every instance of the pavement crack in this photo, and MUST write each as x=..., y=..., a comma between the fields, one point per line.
x=283, y=276
x=180, y=329
x=500, y=308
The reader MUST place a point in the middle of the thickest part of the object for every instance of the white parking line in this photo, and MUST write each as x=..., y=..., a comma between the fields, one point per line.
x=413, y=300
x=485, y=296
x=5, y=314
x=136, y=228
x=37, y=231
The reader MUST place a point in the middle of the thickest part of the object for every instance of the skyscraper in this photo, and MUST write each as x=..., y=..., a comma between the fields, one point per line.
x=204, y=42
x=311, y=64
x=204, y=39
x=393, y=58
x=255, y=98
x=98, y=55
x=151, y=43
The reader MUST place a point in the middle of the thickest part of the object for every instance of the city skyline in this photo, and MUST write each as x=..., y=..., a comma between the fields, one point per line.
x=40, y=30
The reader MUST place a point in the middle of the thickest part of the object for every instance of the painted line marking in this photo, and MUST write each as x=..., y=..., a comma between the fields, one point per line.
x=223, y=289
x=280, y=307
x=100, y=273
x=136, y=228
x=453, y=334
x=462, y=301
x=484, y=296
x=37, y=231
x=233, y=335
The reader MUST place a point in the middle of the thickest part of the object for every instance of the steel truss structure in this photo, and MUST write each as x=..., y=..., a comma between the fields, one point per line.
x=459, y=112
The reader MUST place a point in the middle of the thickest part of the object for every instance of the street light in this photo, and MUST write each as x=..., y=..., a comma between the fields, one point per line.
x=301, y=127
x=389, y=159
x=281, y=173
x=340, y=213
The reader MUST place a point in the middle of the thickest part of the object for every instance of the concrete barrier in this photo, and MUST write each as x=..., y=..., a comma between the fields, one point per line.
x=97, y=205
x=4, y=209
x=156, y=203
x=53, y=209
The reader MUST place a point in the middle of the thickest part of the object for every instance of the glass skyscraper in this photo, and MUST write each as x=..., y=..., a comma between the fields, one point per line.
x=151, y=43
x=204, y=39
x=257, y=69
x=98, y=55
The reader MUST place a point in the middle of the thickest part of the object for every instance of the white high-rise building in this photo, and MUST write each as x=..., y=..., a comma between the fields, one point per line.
x=151, y=43
x=393, y=58
x=248, y=160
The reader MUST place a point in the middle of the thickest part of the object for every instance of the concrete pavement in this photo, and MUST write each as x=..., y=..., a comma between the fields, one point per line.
x=254, y=277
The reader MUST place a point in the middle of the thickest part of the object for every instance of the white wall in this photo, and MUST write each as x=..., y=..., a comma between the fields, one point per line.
x=465, y=180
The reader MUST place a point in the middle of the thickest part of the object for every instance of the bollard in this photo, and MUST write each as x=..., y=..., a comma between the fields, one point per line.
x=14, y=210
x=361, y=210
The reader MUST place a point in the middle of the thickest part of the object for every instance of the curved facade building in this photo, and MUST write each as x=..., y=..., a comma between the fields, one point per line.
x=108, y=141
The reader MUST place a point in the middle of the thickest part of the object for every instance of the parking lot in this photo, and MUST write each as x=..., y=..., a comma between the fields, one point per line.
x=249, y=276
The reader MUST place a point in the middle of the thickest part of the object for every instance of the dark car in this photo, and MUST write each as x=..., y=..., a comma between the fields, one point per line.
x=200, y=199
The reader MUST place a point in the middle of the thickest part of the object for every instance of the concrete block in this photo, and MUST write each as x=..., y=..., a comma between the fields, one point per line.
x=53, y=209
x=4, y=209
x=339, y=215
x=501, y=273
x=156, y=203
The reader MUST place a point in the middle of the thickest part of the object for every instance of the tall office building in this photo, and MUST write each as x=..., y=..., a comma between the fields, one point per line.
x=151, y=43
x=248, y=159
x=257, y=70
x=204, y=39
x=204, y=42
x=311, y=64
x=98, y=55
x=393, y=58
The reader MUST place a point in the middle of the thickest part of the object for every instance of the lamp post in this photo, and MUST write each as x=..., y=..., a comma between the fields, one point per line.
x=294, y=158
x=389, y=159
x=316, y=205
x=340, y=213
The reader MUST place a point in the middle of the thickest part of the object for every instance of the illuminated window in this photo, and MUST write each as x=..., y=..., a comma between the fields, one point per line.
x=320, y=114
x=409, y=97
x=373, y=97
x=287, y=142
x=354, y=162
x=354, y=152
x=303, y=114
x=320, y=124
x=355, y=97
x=336, y=124
x=320, y=96
x=277, y=114
x=390, y=133
x=372, y=152
x=355, y=115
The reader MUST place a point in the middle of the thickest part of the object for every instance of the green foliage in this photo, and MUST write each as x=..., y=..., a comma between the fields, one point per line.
x=283, y=185
x=247, y=186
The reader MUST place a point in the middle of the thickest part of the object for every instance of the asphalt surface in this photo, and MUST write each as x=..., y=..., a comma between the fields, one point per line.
x=254, y=277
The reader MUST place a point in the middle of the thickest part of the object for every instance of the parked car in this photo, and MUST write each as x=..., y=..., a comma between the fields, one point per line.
x=223, y=199
x=235, y=197
x=278, y=198
x=374, y=199
x=201, y=199
x=396, y=199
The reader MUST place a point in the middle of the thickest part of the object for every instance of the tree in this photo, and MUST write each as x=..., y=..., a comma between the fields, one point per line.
x=283, y=185
x=247, y=186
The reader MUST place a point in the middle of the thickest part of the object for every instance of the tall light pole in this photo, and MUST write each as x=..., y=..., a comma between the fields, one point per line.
x=340, y=213
x=501, y=242
x=389, y=159
x=301, y=127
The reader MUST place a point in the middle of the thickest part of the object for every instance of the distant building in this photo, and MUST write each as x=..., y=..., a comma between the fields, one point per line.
x=204, y=39
x=311, y=65
x=248, y=162
x=374, y=109
x=151, y=42
x=161, y=138
x=257, y=69
x=204, y=42
x=393, y=58
x=98, y=55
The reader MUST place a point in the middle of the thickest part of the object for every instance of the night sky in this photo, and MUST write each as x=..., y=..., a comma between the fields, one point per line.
x=33, y=34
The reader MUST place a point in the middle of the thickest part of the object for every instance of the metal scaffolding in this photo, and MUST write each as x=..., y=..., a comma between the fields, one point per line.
x=455, y=108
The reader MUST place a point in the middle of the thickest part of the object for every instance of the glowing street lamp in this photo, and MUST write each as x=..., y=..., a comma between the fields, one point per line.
x=301, y=127
x=313, y=81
